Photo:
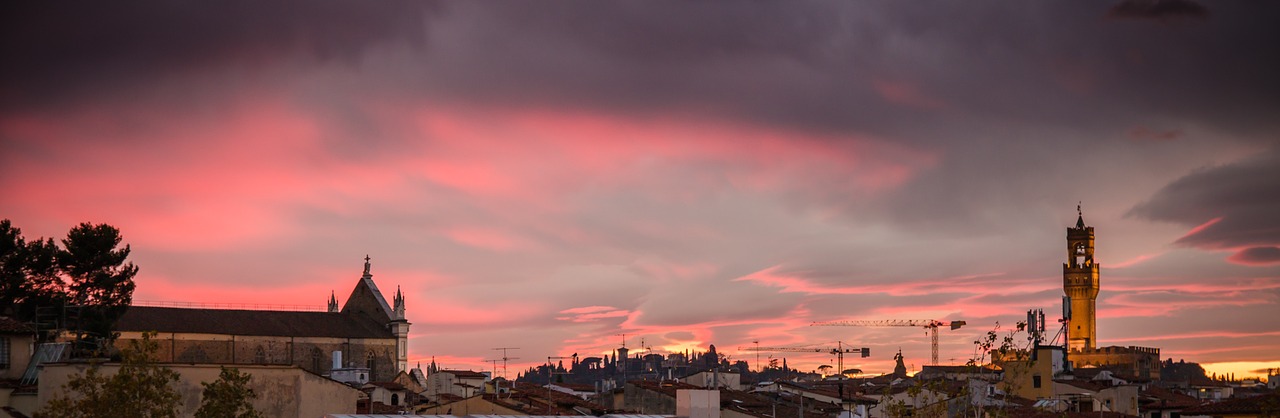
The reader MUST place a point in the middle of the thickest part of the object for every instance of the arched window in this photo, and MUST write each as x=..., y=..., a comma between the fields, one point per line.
x=372, y=364
x=260, y=356
x=315, y=360
x=395, y=399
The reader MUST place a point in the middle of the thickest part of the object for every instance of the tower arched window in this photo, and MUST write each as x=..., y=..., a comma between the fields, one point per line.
x=315, y=360
x=372, y=363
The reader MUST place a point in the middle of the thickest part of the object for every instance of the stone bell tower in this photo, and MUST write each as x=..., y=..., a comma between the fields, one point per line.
x=1080, y=282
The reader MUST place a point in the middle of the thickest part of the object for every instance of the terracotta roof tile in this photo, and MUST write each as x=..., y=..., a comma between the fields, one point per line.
x=12, y=326
x=1250, y=405
x=244, y=322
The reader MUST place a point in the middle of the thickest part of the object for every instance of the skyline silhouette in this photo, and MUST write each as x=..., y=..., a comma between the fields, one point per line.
x=548, y=176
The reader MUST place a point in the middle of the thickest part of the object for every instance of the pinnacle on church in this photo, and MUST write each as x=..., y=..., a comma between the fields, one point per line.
x=366, y=265
x=333, y=302
x=398, y=304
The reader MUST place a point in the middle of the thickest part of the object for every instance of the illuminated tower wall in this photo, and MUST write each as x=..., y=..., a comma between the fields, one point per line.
x=1080, y=282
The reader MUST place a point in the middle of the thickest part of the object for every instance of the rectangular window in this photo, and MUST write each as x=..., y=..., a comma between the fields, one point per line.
x=4, y=353
x=1035, y=381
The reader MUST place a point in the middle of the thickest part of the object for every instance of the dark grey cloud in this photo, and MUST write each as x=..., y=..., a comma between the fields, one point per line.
x=1236, y=203
x=1159, y=9
x=809, y=65
x=57, y=53
x=1257, y=256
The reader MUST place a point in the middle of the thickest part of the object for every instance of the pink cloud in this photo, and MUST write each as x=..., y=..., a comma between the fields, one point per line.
x=906, y=94
x=198, y=184
x=1199, y=335
x=1199, y=228
x=166, y=291
x=1164, y=302
x=592, y=313
x=1135, y=260
x=488, y=238
x=1231, y=287
x=437, y=311
x=969, y=284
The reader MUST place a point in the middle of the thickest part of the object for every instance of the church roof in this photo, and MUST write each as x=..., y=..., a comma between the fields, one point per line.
x=367, y=299
x=246, y=322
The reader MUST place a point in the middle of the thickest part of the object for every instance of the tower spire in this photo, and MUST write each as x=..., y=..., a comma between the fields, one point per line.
x=1079, y=216
x=333, y=302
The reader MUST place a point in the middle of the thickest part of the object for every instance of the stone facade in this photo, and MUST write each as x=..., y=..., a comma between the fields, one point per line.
x=313, y=354
x=366, y=331
x=1129, y=362
x=1080, y=282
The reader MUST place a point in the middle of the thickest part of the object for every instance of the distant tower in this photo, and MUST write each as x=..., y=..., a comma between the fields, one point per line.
x=899, y=369
x=1080, y=282
x=333, y=302
x=400, y=327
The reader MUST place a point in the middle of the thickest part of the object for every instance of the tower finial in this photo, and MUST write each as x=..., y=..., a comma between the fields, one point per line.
x=1079, y=216
x=366, y=264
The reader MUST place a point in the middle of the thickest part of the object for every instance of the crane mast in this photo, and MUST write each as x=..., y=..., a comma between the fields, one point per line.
x=929, y=324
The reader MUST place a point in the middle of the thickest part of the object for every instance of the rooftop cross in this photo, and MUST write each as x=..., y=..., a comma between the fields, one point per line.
x=366, y=264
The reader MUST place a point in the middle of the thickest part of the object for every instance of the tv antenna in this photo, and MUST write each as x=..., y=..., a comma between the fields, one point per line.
x=505, y=358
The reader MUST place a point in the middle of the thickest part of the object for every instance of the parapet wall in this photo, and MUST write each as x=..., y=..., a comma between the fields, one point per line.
x=1140, y=362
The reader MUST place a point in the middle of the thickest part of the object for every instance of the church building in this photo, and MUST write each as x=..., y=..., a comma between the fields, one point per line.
x=365, y=332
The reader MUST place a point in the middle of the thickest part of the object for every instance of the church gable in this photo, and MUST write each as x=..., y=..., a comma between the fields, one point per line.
x=367, y=300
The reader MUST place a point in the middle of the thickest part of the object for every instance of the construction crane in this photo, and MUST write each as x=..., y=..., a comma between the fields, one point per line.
x=929, y=324
x=839, y=350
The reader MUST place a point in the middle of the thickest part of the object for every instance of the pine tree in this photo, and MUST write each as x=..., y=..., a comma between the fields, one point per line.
x=99, y=277
x=28, y=273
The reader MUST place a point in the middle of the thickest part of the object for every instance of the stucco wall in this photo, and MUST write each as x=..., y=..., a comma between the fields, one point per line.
x=283, y=391
x=475, y=405
x=311, y=353
x=648, y=402
x=20, y=348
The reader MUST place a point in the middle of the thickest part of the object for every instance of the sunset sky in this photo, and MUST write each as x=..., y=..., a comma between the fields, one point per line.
x=549, y=175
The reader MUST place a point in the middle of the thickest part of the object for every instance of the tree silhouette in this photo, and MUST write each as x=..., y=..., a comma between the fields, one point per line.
x=141, y=388
x=28, y=273
x=228, y=397
x=98, y=276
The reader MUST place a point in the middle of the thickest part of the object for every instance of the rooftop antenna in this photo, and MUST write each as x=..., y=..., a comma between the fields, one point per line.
x=624, y=339
x=1035, y=325
x=505, y=358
